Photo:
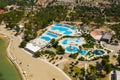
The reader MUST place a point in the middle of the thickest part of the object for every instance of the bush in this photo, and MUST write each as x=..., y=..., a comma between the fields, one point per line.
x=60, y=50
x=37, y=54
x=49, y=52
x=74, y=56
x=81, y=59
x=23, y=44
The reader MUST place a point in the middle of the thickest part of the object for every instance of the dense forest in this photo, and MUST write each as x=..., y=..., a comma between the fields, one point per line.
x=41, y=18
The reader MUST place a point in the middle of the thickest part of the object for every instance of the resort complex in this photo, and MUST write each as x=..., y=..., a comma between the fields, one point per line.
x=59, y=40
x=69, y=38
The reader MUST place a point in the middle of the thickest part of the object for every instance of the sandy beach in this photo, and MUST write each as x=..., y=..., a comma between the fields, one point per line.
x=34, y=69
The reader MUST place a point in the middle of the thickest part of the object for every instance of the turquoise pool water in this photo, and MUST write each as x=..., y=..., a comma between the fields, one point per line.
x=65, y=41
x=46, y=38
x=59, y=28
x=82, y=52
x=58, y=24
x=71, y=49
x=65, y=29
x=71, y=27
x=51, y=35
x=67, y=32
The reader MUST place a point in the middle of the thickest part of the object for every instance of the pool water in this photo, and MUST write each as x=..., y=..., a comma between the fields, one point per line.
x=65, y=29
x=59, y=28
x=82, y=52
x=71, y=27
x=75, y=43
x=74, y=40
x=58, y=24
x=71, y=49
x=46, y=38
x=98, y=52
x=67, y=32
x=65, y=41
x=51, y=35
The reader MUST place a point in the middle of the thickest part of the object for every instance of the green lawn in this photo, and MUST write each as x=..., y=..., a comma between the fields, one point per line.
x=7, y=69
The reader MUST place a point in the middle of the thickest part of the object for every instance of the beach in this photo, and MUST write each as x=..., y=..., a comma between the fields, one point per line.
x=32, y=68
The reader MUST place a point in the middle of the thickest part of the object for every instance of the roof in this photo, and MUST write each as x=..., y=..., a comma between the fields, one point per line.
x=118, y=75
x=107, y=36
x=1, y=11
x=32, y=47
x=97, y=34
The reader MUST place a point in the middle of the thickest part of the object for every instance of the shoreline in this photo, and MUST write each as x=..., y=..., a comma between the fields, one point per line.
x=16, y=54
x=9, y=56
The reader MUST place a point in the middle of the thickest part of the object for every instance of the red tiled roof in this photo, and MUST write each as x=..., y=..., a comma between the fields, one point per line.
x=96, y=34
x=1, y=11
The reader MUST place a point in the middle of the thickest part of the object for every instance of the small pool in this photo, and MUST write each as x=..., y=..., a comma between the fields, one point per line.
x=83, y=52
x=58, y=24
x=73, y=28
x=70, y=40
x=59, y=28
x=46, y=38
x=65, y=41
x=67, y=32
x=98, y=52
x=70, y=27
x=71, y=49
x=51, y=35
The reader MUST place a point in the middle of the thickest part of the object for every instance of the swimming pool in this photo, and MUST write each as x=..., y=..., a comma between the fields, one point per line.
x=71, y=27
x=51, y=34
x=67, y=32
x=65, y=41
x=78, y=41
x=58, y=24
x=82, y=52
x=46, y=38
x=74, y=43
x=59, y=28
x=64, y=29
x=71, y=49
x=96, y=52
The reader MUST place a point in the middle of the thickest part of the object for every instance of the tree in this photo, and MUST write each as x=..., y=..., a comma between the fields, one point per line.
x=37, y=54
x=49, y=52
x=107, y=68
x=104, y=62
x=60, y=50
x=118, y=59
x=23, y=44
x=52, y=41
x=92, y=68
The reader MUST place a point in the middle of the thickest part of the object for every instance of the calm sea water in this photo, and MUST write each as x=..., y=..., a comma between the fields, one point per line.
x=7, y=69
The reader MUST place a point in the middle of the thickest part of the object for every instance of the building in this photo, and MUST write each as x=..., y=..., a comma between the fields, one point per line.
x=1, y=11
x=106, y=37
x=117, y=75
x=97, y=34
